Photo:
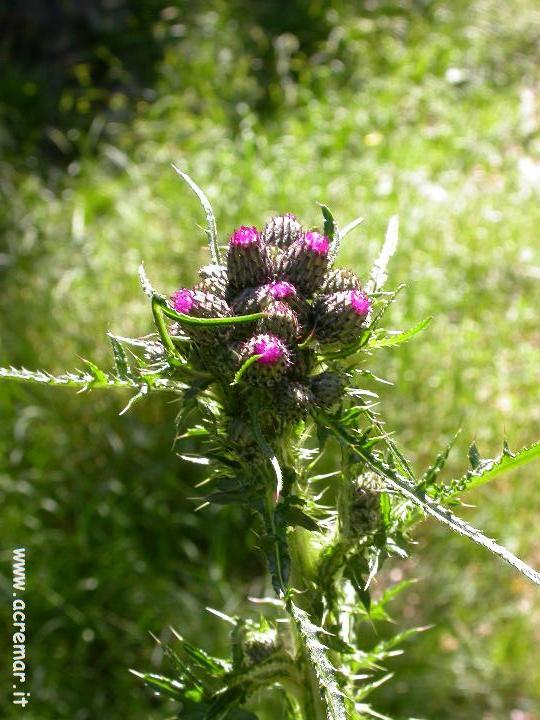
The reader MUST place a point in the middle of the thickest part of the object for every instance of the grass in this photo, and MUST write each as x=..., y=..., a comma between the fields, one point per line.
x=422, y=112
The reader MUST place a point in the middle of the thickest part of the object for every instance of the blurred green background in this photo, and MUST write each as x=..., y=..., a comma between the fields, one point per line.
x=429, y=109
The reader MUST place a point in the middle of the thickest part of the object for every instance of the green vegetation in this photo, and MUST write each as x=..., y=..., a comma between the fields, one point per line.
x=428, y=111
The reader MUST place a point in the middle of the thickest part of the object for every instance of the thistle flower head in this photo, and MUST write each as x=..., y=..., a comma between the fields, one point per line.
x=280, y=320
x=340, y=317
x=249, y=263
x=270, y=348
x=282, y=230
x=214, y=279
x=316, y=243
x=340, y=279
x=304, y=263
x=244, y=236
x=360, y=303
x=199, y=302
x=183, y=301
x=281, y=289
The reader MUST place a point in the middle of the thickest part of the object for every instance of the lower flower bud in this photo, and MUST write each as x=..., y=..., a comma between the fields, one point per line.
x=272, y=362
x=293, y=401
x=365, y=511
x=327, y=388
x=280, y=320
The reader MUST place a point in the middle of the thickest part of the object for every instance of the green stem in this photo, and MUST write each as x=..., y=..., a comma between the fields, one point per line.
x=206, y=322
x=157, y=312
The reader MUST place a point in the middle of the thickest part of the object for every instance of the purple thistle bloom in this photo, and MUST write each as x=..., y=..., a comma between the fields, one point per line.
x=359, y=302
x=270, y=348
x=340, y=317
x=305, y=262
x=281, y=289
x=248, y=261
x=183, y=301
x=317, y=243
x=244, y=236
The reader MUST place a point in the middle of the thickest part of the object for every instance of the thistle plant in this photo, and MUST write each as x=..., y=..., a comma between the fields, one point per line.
x=269, y=354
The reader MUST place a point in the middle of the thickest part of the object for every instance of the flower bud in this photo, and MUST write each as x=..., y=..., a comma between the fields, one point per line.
x=365, y=510
x=280, y=320
x=305, y=262
x=253, y=643
x=247, y=302
x=282, y=231
x=240, y=436
x=253, y=300
x=280, y=290
x=199, y=303
x=327, y=388
x=293, y=401
x=259, y=646
x=214, y=355
x=214, y=279
x=340, y=317
x=340, y=279
x=273, y=361
x=248, y=260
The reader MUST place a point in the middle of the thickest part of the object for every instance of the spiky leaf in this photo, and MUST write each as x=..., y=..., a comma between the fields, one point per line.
x=317, y=656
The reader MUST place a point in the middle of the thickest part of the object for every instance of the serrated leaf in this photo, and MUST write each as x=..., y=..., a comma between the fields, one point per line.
x=162, y=684
x=95, y=378
x=368, y=688
x=350, y=227
x=211, y=665
x=331, y=231
x=399, y=338
x=406, y=486
x=432, y=473
x=486, y=470
x=378, y=273
x=146, y=284
x=318, y=658
x=211, y=231
x=120, y=357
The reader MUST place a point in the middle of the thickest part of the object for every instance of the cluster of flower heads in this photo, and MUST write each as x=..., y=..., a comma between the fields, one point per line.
x=285, y=273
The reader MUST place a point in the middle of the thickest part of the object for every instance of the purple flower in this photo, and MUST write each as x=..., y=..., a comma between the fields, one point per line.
x=183, y=301
x=244, y=236
x=340, y=316
x=272, y=359
x=359, y=302
x=317, y=243
x=281, y=289
x=270, y=348
x=248, y=261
